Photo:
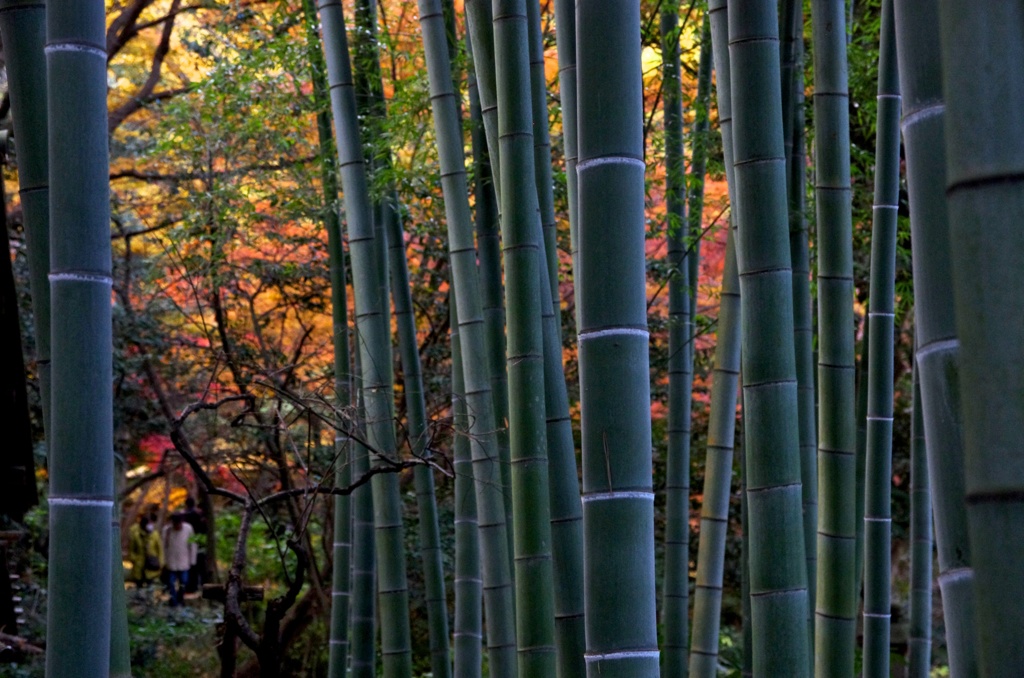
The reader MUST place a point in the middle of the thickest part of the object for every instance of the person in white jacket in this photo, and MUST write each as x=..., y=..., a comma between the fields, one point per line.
x=179, y=555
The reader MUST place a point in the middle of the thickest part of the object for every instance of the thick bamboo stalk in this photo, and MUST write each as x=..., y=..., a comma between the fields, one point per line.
x=919, y=645
x=375, y=355
x=341, y=550
x=835, y=621
x=618, y=507
x=778, y=574
x=878, y=485
x=714, y=522
x=497, y=580
x=938, y=352
x=982, y=58
x=23, y=30
x=676, y=588
x=81, y=461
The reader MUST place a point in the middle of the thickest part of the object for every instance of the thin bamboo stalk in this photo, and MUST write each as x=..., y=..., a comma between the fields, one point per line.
x=675, y=592
x=618, y=507
x=341, y=550
x=81, y=459
x=497, y=580
x=919, y=645
x=803, y=331
x=375, y=354
x=878, y=486
x=565, y=42
x=542, y=150
x=714, y=523
x=423, y=476
x=938, y=352
x=479, y=17
x=835, y=621
x=698, y=166
x=468, y=585
x=778, y=572
x=982, y=58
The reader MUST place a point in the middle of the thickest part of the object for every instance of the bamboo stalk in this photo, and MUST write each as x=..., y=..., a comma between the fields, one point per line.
x=565, y=42
x=982, y=58
x=618, y=507
x=919, y=645
x=23, y=29
x=938, y=352
x=835, y=621
x=81, y=459
x=497, y=580
x=878, y=486
x=341, y=550
x=778, y=573
x=675, y=592
x=375, y=355
x=714, y=523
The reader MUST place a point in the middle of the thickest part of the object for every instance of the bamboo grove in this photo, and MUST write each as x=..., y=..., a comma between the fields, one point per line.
x=674, y=339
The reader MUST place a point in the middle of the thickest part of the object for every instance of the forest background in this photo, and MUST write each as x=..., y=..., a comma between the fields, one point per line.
x=221, y=288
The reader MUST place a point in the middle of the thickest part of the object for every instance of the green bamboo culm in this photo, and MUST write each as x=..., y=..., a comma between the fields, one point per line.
x=375, y=356
x=486, y=224
x=919, y=645
x=341, y=547
x=985, y=166
x=881, y=315
x=468, y=633
x=542, y=149
x=487, y=472
x=778, y=574
x=803, y=331
x=479, y=18
x=566, y=511
x=408, y=346
x=352, y=629
x=81, y=457
x=523, y=259
x=714, y=517
x=675, y=592
x=565, y=42
x=699, y=134
x=423, y=475
x=938, y=352
x=835, y=622
x=618, y=502
x=23, y=30
x=860, y=456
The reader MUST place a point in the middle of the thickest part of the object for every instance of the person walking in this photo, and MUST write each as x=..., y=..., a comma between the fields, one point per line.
x=179, y=555
x=145, y=551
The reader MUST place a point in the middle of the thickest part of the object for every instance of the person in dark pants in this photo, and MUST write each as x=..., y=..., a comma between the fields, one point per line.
x=197, y=520
x=179, y=555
